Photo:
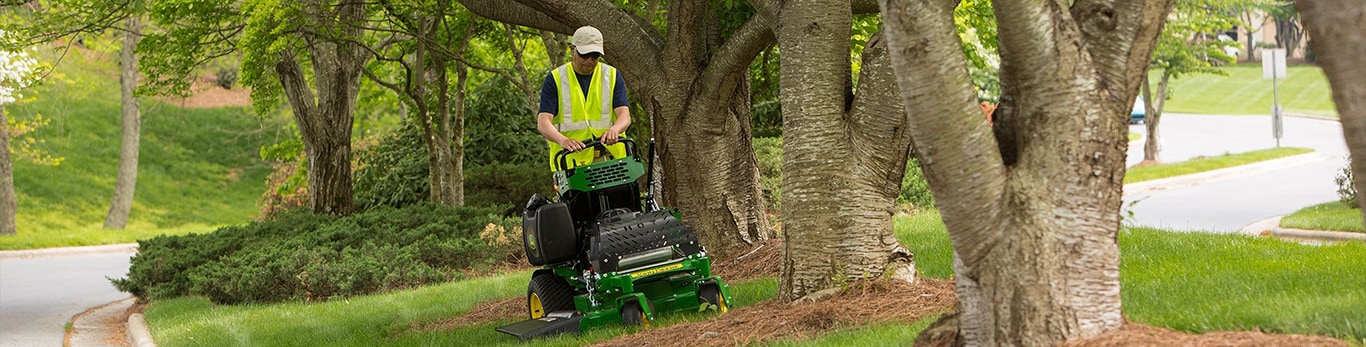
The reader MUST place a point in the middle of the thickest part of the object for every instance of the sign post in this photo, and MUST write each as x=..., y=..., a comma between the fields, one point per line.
x=1273, y=67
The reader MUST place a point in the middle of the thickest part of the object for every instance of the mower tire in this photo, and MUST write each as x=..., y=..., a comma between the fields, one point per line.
x=548, y=293
x=633, y=315
x=711, y=295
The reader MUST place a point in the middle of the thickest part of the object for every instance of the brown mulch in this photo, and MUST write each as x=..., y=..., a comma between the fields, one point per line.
x=1134, y=334
x=861, y=303
x=763, y=260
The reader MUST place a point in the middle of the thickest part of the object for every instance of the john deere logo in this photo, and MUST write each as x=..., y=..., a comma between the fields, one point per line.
x=531, y=242
x=656, y=271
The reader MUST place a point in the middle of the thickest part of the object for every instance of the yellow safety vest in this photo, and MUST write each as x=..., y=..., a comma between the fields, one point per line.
x=591, y=114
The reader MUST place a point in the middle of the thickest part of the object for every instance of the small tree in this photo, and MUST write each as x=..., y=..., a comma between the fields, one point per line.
x=16, y=72
x=1186, y=46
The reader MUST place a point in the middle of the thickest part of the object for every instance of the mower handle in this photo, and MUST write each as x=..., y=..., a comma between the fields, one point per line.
x=561, y=156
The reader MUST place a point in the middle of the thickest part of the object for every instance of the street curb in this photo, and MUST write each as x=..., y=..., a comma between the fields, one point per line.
x=138, y=335
x=64, y=251
x=1272, y=227
x=1318, y=235
x=1221, y=174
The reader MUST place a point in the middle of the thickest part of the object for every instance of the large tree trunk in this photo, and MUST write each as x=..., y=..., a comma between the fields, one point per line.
x=1152, y=108
x=325, y=122
x=694, y=90
x=1336, y=29
x=840, y=154
x=127, y=179
x=8, y=204
x=1031, y=205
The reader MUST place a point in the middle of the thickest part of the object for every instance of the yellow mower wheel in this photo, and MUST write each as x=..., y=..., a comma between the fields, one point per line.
x=548, y=293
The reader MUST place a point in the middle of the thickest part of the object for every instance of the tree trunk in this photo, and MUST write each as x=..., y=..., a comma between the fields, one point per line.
x=8, y=204
x=127, y=179
x=696, y=94
x=1336, y=29
x=433, y=109
x=325, y=122
x=1031, y=204
x=840, y=154
x=1152, y=109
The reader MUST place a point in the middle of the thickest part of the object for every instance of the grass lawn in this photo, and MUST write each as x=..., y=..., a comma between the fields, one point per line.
x=1305, y=90
x=1193, y=282
x=1201, y=282
x=1335, y=216
x=1151, y=172
x=197, y=168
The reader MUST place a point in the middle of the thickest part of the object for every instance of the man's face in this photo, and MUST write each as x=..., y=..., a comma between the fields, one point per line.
x=584, y=64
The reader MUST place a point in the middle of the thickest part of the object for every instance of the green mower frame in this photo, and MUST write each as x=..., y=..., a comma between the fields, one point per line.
x=609, y=254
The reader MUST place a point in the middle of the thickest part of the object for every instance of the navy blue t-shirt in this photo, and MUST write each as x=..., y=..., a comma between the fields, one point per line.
x=550, y=101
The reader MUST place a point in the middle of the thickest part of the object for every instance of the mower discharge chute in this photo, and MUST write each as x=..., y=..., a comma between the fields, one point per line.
x=608, y=254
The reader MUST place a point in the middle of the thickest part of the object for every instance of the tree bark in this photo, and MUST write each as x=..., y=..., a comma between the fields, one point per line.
x=8, y=204
x=127, y=180
x=1336, y=28
x=696, y=94
x=1031, y=204
x=1152, y=109
x=325, y=121
x=841, y=151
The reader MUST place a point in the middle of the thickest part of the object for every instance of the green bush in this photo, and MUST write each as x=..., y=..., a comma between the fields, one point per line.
x=394, y=171
x=303, y=256
x=769, y=153
x=915, y=190
x=226, y=77
x=507, y=186
x=504, y=156
x=500, y=127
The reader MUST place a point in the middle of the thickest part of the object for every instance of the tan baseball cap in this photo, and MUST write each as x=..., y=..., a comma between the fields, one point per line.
x=588, y=40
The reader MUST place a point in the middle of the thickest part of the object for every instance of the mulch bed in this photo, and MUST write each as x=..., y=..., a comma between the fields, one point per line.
x=860, y=304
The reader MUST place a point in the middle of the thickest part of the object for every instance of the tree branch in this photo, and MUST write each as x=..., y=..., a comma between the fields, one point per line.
x=513, y=12
x=739, y=50
x=1111, y=31
x=949, y=134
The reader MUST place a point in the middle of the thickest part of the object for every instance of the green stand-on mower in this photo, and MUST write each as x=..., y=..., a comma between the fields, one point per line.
x=609, y=254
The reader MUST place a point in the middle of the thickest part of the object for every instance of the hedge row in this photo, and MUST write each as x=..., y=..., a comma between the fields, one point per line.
x=303, y=256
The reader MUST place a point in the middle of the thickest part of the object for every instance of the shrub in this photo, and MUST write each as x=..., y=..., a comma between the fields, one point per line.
x=769, y=153
x=1347, y=190
x=303, y=256
x=507, y=186
x=501, y=127
x=227, y=77
x=915, y=190
x=393, y=172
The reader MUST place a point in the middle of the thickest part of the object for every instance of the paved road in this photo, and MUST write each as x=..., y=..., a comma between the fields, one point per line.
x=1228, y=205
x=38, y=296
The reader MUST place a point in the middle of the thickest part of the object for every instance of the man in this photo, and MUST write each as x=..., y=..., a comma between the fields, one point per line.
x=578, y=101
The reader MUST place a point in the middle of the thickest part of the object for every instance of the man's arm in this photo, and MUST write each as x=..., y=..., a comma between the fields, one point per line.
x=623, y=121
x=548, y=130
x=621, y=108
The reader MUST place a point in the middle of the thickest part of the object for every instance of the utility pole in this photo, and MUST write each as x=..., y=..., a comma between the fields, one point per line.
x=1273, y=67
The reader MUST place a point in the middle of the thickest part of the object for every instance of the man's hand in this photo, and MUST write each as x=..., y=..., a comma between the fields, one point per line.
x=610, y=136
x=571, y=144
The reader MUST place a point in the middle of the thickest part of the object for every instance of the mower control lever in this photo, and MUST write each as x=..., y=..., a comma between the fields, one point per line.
x=560, y=157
